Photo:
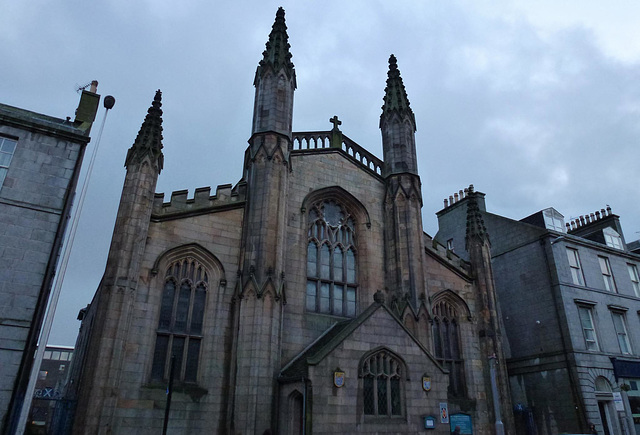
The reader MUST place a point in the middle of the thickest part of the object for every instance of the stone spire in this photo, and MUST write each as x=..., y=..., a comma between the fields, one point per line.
x=277, y=54
x=395, y=99
x=149, y=139
x=475, y=224
x=275, y=83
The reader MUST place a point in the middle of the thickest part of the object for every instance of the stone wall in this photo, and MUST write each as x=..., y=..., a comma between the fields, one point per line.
x=44, y=168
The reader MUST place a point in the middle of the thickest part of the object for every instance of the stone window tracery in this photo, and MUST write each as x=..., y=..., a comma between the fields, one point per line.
x=446, y=345
x=181, y=320
x=331, y=260
x=381, y=387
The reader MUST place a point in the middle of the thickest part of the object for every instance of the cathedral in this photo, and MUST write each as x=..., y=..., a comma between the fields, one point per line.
x=306, y=298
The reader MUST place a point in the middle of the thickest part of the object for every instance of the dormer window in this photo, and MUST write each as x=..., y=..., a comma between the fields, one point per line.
x=612, y=238
x=553, y=220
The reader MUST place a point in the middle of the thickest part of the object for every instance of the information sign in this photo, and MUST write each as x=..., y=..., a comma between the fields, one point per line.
x=463, y=421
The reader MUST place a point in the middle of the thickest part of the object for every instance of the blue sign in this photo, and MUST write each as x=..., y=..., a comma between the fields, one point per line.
x=429, y=422
x=461, y=423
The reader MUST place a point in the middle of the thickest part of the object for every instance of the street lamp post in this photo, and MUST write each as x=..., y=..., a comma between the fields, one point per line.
x=493, y=360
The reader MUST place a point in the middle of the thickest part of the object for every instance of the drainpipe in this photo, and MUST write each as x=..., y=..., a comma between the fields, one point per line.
x=304, y=406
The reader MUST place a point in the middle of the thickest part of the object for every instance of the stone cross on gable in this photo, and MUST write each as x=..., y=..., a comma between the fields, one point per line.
x=336, y=122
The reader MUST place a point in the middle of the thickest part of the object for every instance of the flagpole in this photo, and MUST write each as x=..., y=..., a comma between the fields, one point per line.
x=169, y=391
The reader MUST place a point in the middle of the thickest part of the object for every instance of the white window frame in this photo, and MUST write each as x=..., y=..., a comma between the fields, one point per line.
x=553, y=220
x=7, y=150
x=576, y=268
x=607, y=275
x=612, y=238
x=635, y=278
x=588, y=326
x=621, y=331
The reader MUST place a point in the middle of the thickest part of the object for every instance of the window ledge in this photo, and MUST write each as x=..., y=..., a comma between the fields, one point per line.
x=384, y=419
x=192, y=390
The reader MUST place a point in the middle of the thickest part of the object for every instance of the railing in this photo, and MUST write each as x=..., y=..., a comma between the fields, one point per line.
x=315, y=140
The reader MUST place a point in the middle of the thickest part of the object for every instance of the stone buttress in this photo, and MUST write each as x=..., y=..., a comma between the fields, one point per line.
x=405, y=275
x=116, y=293
x=259, y=296
x=488, y=315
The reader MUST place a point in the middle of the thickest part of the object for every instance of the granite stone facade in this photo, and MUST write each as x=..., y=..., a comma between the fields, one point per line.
x=40, y=158
x=570, y=304
x=304, y=299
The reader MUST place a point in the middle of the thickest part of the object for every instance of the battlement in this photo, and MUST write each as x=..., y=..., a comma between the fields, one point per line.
x=202, y=201
x=322, y=140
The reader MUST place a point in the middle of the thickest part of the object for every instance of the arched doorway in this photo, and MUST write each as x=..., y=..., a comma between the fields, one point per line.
x=296, y=409
x=606, y=409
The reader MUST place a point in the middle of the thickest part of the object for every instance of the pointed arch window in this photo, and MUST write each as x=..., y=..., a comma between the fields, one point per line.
x=181, y=321
x=331, y=260
x=446, y=345
x=381, y=375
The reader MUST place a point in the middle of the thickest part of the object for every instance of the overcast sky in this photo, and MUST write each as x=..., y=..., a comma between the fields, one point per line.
x=535, y=103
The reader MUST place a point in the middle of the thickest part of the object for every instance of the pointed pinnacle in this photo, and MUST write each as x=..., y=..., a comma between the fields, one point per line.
x=475, y=223
x=277, y=54
x=149, y=139
x=395, y=99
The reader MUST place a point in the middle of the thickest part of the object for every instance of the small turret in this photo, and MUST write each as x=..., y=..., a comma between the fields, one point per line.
x=405, y=275
x=275, y=82
x=398, y=125
x=119, y=286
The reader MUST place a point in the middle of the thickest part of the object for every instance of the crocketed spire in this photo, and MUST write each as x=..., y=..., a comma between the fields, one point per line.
x=475, y=224
x=149, y=139
x=277, y=55
x=395, y=99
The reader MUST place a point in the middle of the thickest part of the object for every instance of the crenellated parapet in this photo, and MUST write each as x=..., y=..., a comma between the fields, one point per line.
x=226, y=196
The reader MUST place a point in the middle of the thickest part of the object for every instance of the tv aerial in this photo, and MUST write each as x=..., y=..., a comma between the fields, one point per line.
x=79, y=88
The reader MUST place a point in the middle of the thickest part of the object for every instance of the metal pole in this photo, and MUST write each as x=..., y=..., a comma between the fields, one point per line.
x=493, y=360
x=169, y=391
x=55, y=294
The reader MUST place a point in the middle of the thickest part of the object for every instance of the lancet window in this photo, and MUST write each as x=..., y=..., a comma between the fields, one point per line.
x=381, y=374
x=331, y=260
x=446, y=345
x=181, y=320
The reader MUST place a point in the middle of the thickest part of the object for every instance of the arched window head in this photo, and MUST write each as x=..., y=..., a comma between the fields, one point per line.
x=603, y=385
x=181, y=320
x=446, y=344
x=381, y=375
x=331, y=260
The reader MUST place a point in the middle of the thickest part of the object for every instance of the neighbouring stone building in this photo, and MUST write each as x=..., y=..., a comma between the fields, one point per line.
x=570, y=301
x=304, y=299
x=40, y=159
x=50, y=385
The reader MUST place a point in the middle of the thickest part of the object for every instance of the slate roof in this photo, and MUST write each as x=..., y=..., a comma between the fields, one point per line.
x=31, y=120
